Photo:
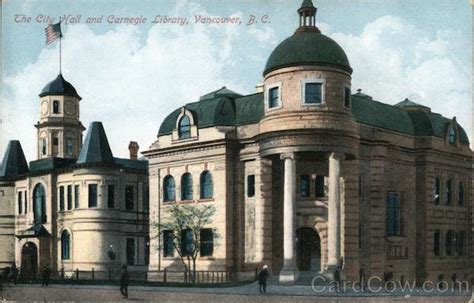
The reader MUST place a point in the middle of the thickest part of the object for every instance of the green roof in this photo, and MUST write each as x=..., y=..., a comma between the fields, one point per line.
x=134, y=164
x=51, y=164
x=59, y=87
x=307, y=48
x=95, y=148
x=222, y=92
x=14, y=162
x=307, y=4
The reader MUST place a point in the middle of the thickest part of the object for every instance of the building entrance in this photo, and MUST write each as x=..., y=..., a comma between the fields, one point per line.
x=29, y=260
x=308, y=246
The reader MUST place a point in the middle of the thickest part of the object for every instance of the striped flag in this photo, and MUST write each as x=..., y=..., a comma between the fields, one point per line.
x=53, y=32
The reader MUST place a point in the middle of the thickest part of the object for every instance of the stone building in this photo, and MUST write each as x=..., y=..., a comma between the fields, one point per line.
x=76, y=206
x=307, y=177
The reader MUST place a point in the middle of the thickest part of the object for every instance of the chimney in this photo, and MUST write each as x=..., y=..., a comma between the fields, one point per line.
x=133, y=148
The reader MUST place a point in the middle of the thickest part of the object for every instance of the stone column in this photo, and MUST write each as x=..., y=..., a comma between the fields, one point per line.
x=288, y=273
x=334, y=212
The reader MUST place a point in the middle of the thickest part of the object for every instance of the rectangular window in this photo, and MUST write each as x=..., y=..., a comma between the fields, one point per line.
x=110, y=196
x=437, y=190
x=76, y=196
x=44, y=146
x=320, y=186
x=460, y=243
x=55, y=107
x=187, y=243
x=69, y=197
x=130, y=253
x=393, y=214
x=55, y=141
x=447, y=193
x=437, y=242
x=92, y=195
x=20, y=202
x=250, y=186
x=146, y=199
x=69, y=146
x=26, y=202
x=305, y=186
x=273, y=97
x=313, y=93
x=61, y=198
x=461, y=194
x=168, y=248
x=347, y=97
x=207, y=242
x=147, y=250
x=129, y=197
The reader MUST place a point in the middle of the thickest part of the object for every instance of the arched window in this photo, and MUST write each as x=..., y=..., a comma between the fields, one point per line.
x=206, y=185
x=449, y=242
x=447, y=192
x=39, y=204
x=186, y=187
x=169, y=193
x=461, y=194
x=452, y=136
x=184, y=127
x=65, y=245
x=437, y=190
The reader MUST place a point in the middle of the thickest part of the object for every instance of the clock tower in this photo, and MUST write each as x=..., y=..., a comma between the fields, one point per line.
x=59, y=127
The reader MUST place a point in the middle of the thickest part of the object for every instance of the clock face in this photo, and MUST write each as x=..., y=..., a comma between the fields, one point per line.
x=44, y=107
x=70, y=108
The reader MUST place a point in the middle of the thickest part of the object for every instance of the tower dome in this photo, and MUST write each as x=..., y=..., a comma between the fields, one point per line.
x=307, y=46
x=59, y=87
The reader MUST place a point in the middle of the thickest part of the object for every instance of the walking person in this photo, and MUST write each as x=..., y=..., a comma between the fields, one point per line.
x=262, y=279
x=46, y=275
x=124, y=279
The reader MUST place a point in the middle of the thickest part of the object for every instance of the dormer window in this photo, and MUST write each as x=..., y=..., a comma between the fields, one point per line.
x=55, y=107
x=312, y=92
x=452, y=136
x=184, y=127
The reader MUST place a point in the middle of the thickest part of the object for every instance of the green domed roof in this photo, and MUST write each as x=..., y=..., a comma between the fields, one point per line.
x=307, y=48
x=61, y=87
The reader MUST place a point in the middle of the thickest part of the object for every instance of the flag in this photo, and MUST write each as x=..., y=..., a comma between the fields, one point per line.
x=53, y=32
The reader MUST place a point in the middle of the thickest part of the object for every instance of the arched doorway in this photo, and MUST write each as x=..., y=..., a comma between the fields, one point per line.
x=308, y=247
x=39, y=204
x=29, y=260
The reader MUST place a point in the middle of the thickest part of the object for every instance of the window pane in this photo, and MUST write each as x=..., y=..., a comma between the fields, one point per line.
x=207, y=242
x=110, y=196
x=449, y=243
x=461, y=194
x=129, y=204
x=187, y=243
x=61, y=198
x=452, y=136
x=26, y=202
x=447, y=192
x=273, y=97
x=56, y=107
x=313, y=93
x=304, y=186
x=65, y=245
x=69, y=146
x=92, y=195
x=130, y=251
x=206, y=185
x=320, y=186
x=146, y=199
x=436, y=243
x=186, y=187
x=20, y=203
x=393, y=214
x=69, y=197
x=168, y=249
x=250, y=186
x=347, y=97
x=437, y=190
x=76, y=196
x=184, y=127
x=169, y=189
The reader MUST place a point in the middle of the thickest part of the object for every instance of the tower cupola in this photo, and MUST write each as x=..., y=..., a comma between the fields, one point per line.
x=307, y=13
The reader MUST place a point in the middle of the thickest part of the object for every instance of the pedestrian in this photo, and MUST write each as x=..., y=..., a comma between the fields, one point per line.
x=124, y=282
x=45, y=275
x=337, y=279
x=262, y=279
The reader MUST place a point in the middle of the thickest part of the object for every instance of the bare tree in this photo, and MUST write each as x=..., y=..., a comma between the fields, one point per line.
x=184, y=223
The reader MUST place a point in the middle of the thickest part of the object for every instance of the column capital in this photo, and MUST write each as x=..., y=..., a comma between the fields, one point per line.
x=336, y=155
x=290, y=156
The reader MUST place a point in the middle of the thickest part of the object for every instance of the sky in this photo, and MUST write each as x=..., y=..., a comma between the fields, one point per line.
x=132, y=76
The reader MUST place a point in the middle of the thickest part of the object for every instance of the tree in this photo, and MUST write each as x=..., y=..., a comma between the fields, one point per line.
x=184, y=224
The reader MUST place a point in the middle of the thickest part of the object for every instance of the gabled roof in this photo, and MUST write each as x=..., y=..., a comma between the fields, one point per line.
x=59, y=87
x=222, y=92
x=96, y=147
x=14, y=162
x=408, y=104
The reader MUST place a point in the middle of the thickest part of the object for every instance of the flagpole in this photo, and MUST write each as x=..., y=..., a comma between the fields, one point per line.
x=60, y=38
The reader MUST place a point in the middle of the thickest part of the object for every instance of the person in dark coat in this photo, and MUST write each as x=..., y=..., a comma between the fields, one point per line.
x=46, y=275
x=262, y=279
x=14, y=273
x=124, y=279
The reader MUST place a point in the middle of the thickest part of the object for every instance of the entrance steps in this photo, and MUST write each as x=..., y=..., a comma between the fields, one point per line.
x=305, y=278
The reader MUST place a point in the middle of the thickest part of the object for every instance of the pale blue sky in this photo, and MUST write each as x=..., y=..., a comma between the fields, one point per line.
x=131, y=77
